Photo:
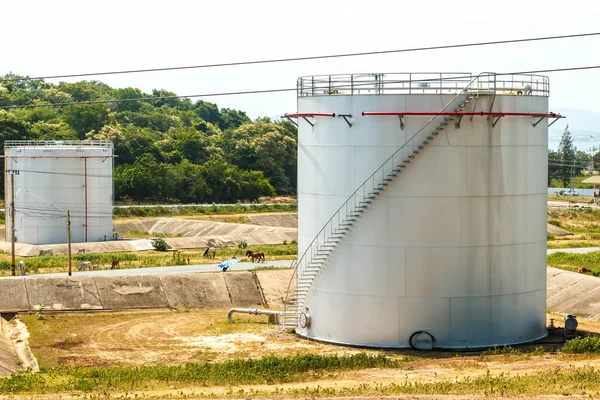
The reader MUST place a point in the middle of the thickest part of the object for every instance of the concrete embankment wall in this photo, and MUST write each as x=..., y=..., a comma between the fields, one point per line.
x=573, y=293
x=9, y=361
x=123, y=292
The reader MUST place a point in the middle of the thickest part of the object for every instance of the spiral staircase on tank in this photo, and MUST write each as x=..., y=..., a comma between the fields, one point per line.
x=311, y=262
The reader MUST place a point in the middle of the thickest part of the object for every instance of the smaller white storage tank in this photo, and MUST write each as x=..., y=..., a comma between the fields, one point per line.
x=53, y=177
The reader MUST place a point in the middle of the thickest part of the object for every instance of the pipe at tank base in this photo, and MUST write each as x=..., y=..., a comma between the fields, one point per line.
x=254, y=311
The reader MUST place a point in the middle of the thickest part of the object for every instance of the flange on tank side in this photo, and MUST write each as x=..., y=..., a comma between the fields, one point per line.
x=455, y=244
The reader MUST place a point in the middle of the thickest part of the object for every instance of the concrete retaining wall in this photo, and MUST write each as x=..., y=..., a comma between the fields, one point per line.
x=573, y=293
x=568, y=292
x=122, y=292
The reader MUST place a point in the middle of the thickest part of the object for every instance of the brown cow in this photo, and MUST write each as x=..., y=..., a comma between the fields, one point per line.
x=582, y=270
x=115, y=264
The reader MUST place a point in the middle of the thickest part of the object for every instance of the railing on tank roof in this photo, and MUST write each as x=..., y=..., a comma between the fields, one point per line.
x=58, y=143
x=422, y=83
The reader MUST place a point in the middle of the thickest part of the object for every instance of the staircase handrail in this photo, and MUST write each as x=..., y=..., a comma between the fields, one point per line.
x=298, y=260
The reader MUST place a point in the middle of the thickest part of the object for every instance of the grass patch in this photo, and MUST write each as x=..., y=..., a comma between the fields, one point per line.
x=570, y=199
x=148, y=235
x=270, y=268
x=583, y=381
x=143, y=259
x=557, y=183
x=267, y=370
x=572, y=261
x=587, y=345
x=571, y=244
x=201, y=210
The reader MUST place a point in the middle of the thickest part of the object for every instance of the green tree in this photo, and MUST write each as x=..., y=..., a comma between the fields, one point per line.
x=566, y=150
x=232, y=119
x=583, y=161
x=85, y=118
x=264, y=147
x=554, y=166
x=596, y=161
x=191, y=186
x=209, y=112
x=86, y=90
x=167, y=148
x=145, y=179
x=42, y=130
x=129, y=93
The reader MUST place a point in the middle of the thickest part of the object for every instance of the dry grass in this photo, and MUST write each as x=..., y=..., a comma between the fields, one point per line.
x=146, y=259
x=584, y=223
x=159, y=338
x=570, y=199
x=132, y=351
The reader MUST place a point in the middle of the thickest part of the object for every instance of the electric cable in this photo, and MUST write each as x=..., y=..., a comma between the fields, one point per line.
x=263, y=91
x=320, y=57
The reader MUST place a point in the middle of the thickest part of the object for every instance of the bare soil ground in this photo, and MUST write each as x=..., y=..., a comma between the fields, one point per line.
x=160, y=337
x=167, y=337
x=173, y=338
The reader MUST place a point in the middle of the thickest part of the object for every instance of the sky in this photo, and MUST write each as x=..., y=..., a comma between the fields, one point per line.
x=43, y=38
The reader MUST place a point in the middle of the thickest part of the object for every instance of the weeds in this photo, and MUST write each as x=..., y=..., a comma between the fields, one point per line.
x=587, y=345
x=203, y=209
x=572, y=261
x=267, y=370
x=49, y=264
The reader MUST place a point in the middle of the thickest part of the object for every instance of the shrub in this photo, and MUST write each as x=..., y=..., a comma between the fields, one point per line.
x=160, y=244
x=590, y=344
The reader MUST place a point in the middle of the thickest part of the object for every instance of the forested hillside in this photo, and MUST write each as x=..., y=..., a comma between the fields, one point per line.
x=168, y=149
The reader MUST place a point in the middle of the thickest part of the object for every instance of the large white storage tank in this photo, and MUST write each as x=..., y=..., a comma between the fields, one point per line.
x=449, y=250
x=53, y=177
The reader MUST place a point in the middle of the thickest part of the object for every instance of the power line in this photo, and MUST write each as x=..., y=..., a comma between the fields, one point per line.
x=111, y=101
x=307, y=58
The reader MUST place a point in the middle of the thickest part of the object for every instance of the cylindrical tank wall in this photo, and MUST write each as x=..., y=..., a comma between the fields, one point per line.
x=456, y=243
x=50, y=180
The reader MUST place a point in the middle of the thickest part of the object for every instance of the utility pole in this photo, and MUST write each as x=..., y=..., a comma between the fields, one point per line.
x=573, y=179
x=12, y=222
x=69, y=238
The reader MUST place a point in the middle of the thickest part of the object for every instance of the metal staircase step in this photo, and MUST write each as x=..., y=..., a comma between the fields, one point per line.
x=400, y=166
x=421, y=147
x=411, y=156
x=429, y=137
x=393, y=173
